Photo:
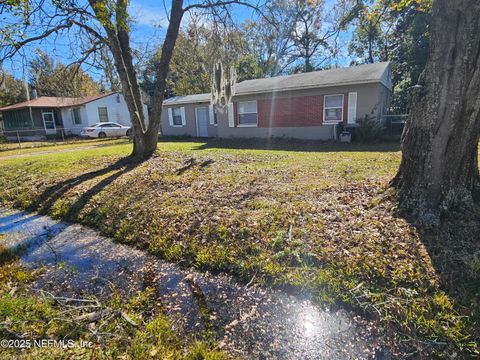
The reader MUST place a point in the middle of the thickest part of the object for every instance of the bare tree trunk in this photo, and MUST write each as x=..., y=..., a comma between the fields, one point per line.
x=176, y=14
x=145, y=138
x=108, y=68
x=370, y=45
x=439, y=168
x=119, y=44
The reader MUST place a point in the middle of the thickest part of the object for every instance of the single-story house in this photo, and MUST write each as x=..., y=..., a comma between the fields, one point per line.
x=303, y=106
x=46, y=115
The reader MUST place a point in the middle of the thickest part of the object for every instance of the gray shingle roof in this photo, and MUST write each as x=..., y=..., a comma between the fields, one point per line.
x=188, y=99
x=342, y=76
x=360, y=74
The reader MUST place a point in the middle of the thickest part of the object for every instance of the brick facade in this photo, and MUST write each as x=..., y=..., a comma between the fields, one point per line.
x=292, y=111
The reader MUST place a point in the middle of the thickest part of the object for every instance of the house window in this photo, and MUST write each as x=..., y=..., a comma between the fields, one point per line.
x=177, y=116
x=247, y=113
x=333, y=108
x=77, y=120
x=102, y=114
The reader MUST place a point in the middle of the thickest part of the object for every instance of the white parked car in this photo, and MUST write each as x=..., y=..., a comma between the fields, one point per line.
x=105, y=129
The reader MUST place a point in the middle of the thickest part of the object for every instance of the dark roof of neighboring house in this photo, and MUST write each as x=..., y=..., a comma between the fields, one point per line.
x=360, y=74
x=54, y=102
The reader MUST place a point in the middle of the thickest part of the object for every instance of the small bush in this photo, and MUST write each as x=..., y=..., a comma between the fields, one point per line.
x=369, y=130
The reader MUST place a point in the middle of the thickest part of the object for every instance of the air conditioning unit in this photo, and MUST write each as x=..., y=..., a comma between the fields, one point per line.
x=345, y=136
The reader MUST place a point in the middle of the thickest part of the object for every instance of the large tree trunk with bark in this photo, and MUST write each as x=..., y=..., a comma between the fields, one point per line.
x=176, y=14
x=439, y=168
x=145, y=137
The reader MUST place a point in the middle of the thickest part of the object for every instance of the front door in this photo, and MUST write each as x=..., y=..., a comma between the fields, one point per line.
x=49, y=122
x=202, y=121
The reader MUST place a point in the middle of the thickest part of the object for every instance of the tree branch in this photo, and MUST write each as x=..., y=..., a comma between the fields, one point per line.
x=90, y=29
x=209, y=5
x=17, y=46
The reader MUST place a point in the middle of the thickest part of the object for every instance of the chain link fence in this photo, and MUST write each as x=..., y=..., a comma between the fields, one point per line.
x=21, y=139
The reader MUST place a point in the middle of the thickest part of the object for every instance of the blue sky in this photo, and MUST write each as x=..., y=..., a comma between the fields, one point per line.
x=147, y=33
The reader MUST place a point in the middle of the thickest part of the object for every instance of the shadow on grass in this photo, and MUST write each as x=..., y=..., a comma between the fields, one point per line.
x=454, y=249
x=45, y=201
x=286, y=145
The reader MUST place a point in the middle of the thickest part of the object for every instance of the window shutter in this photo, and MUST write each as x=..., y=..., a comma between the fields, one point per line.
x=170, y=117
x=182, y=111
x=352, y=107
x=231, y=122
x=211, y=114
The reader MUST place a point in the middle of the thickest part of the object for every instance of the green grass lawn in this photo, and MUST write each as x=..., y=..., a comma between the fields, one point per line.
x=314, y=218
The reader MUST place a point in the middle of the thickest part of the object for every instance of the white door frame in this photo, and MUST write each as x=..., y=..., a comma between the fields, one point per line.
x=196, y=118
x=49, y=131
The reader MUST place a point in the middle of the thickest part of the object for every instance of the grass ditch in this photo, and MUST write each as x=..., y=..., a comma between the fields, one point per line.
x=87, y=328
x=315, y=218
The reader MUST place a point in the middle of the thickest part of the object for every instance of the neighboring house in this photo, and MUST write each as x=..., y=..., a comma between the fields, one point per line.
x=47, y=115
x=189, y=115
x=303, y=106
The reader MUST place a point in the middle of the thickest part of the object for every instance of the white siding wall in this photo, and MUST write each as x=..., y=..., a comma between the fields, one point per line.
x=67, y=118
x=117, y=112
